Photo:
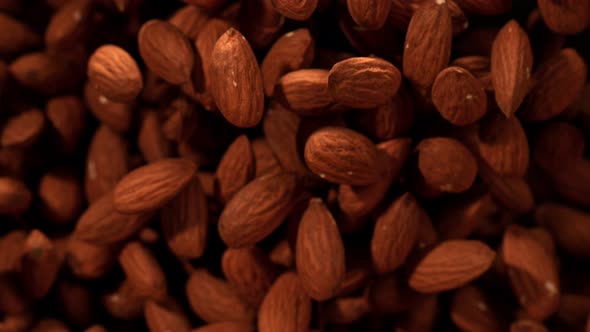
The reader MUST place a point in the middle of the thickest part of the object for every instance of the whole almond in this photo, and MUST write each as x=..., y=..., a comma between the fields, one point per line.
x=60, y=193
x=299, y=10
x=425, y=55
x=446, y=164
x=115, y=74
x=305, y=92
x=15, y=197
x=87, y=260
x=70, y=24
x=236, y=168
x=12, y=245
x=511, y=65
x=124, y=302
x=214, y=300
x=389, y=293
x=23, y=130
x=342, y=156
x=319, y=252
x=458, y=96
x=20, y=38
x=363, y=82
x=471, y=310
x=369, y=14
x=143, y=271
x=558, y=82
x=190, y=20
x=67, y=115
x=286, y=306
x=45, y=73
x=184, y=221
x=266, y=161
x=166, y=51
x=395, y=233
x=40, y=263
x=565, y=17
x=117, y=116
x=569, y=226
x=151, y=186
x=236, y=81
x=258, y=209
x=162, y=317
x=450, y=265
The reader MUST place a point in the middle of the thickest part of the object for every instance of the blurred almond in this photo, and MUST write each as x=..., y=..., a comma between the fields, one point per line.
x=566, y=17
x=471, y=310
x=527, y=325
x=143, y=271
x=151, y=141
x=15, y=197
x=117, y=116
x=67, y=115
x=20, y=38
x=89, y=261
x=40, y=264
x=569, y=226
x=70, y=24
x=369, y=14
x=23, y=129
x=189, y=20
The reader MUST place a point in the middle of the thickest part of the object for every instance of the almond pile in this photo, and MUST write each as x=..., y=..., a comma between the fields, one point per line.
x=294, y=165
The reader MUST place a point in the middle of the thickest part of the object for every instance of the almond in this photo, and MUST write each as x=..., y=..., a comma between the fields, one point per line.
x=115, y=74
x=258, y=209
x=12, y=245
x=23, y=130
x=369, y=14
x=458, y=221
x=391, y=120
x=143, y=271
x=214, y=300
x=124, y=302
x=286, y=306
x=363, y=82
x=20, y=38
x=89, y=261
x=395, y=233
x=67, y=115
x=458, y=96
x=450, y=265
x=446, y=164
x=426, y=54
x=15, y=197
x=345, y=310
x=305, y=92
x=12, y=298
x=40, y=264
x=260, y=23
x=184, y=221
x=161, y=317
x=342, y=156
x=569, y=226
x=236, y=81
x=558, y=82
x=151, y=186
x=319, y=253
x=77, y=302
x=166, y=51
x=236, y=168
x=151, y=141
x=511, y=65
x=389, y=294
x=299, y=10
x=117, y=116
x=565, y=17
x=511, y=192
x=189, y=20
x=70, y=24
x=471, y=310
x=483, y=7
x=479, y=66
x=266, y=161
x=60, y=193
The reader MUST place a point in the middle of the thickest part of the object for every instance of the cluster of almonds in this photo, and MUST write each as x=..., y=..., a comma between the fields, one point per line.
x=294, y=165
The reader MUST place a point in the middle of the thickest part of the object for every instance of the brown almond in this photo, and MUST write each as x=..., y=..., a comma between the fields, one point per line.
x=60, y=193
x=12, y=247
x=87, y=260
x=20, y=38
x=182, y=122
x=395, y=233
x=124, y=302
x=15, y=197
x=565, y=17
x=369, y=14
x=162, y=317
x=151, y=186
x=184, y=221
x=511, y=65
x=236, y=81
x=363, y=82
x=40, y=263
x=305, y=92
x=345, y=310
x=236, y=168
x=166, y=51
x=70, y=24
x=426, y=54
x=286, y=306
x=76, y=301
x=569, y=226
x=23, y=130
x=391, y=120
x=13, y=300
x=458, y=96
x=151, y=141
x=258, y=209
x=471, y=310
x=450, y=265
x=342, y=156
x=299, y=10
x=319, y=253
x=117, y=116
x=266, y=161
x=115, y=74
x=67, y=115
x=214, y=300
x=511, y=192
x=458, y=221
x=143, y=271
x=189, y=20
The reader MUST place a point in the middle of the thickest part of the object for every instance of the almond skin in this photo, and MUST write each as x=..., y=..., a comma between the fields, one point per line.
x=565, y=17
x=236, y=81
x=426, y=54
x=471, y=310
x=12, y=245
x=450, y=265
x=391, y=120
x=319, y=252
x=363, y=82
x=458, y=96
x=286, y=306
x=369, y=14
x=446, y=164
x=342, y=156
x=236, y=168
x=258, y=209
x=511, y=65
x=166, y=51
x=299, y=10
x=115, y=74
x=15, y=197
x=60, y=193
x=150, y=187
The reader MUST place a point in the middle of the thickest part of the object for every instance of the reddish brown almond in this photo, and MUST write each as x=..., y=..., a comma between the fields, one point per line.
x=12, y=298
x=342, y=156
x=15, y=197
x=89, y=261
x=117, y=116
x=40, y=264
x=143, y=271
x=305, y=92
x=23, y=129
x=369, y=14
x=570, y=227
x=214, y=300
x=102, y=224
x=391, y=120
x=235, y=170
x=12, y=248
x=511, y=65
x=395, y=233
x=363, y=82
x=250, y=272
x=426, y=54
x=479, y=66
x=450, y=265
x=60, y=193
x=67, y=115
x=282, y=254
x=151, y=186
x=533, y=272
x=236, y=81
x=471, y=310
x=115, y=74
x=166, y=51
x=162, y=317
x=558, y=82
x=299, y=10
x=225, y=327
x=527, y=325
x=511, y=192
x=345, y=310
x=458, y=221
x=294, y=50
x=286, y=306
x=189, y=20
x=184, y=221
x=124, y=302
x=20, y=38
x=258, y=209
x=565, y=17
x=446, y=164
x=266, y=161
x=458, y=96
x=70, y=24
x=151, y=141
x=76, y=301
x=106, y=163
x=319, y=252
